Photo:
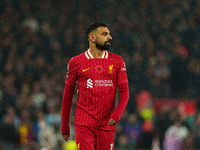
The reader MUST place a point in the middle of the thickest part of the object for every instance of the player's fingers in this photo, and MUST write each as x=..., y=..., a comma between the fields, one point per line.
x=66, y=137
x=111, y=122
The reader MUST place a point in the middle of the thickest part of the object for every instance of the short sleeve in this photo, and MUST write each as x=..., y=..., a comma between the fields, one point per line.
x=122, y=76
x=71, y=75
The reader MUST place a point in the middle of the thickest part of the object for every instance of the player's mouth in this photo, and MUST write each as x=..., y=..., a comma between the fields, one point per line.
x=108, y=42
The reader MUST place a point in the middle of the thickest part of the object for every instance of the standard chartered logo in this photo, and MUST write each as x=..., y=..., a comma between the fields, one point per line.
x=89, y=83
x=103, y=83
x=99, y=83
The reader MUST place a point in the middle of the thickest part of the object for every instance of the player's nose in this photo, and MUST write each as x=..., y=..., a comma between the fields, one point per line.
x=110, y=37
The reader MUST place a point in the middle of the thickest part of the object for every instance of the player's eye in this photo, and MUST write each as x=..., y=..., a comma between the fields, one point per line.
x=105, y=33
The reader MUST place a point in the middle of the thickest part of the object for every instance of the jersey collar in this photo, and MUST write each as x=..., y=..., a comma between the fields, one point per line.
x=89, y=55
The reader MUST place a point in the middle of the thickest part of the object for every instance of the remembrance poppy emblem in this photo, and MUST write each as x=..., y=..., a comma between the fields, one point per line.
x=99, y=69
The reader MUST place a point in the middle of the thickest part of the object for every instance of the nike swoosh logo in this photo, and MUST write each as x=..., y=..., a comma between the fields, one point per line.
x=84, y=70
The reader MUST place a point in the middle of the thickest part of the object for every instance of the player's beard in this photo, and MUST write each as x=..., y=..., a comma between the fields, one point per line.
x=104, y=46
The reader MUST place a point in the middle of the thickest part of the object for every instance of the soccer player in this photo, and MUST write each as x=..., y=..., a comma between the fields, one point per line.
x=98, y=73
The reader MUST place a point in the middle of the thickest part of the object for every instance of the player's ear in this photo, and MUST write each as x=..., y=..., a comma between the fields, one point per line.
x=92, y=37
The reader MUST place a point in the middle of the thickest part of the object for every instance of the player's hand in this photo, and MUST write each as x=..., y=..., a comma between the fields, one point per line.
x=111, y=122
x=66, y=137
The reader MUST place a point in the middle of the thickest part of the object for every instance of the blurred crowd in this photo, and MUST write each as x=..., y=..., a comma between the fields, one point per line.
x=159, y=41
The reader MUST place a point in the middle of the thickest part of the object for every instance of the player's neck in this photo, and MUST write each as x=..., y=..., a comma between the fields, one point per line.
x=96, y=53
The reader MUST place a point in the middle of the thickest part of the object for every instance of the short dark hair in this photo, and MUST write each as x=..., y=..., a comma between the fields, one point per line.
x=94, y=26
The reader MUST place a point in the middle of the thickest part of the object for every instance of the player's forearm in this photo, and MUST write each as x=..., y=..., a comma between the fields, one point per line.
x=123, y=100
x=66, y=107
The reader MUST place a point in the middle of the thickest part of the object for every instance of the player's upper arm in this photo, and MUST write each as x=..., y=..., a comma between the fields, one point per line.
x=71, y=75
x=122, y=76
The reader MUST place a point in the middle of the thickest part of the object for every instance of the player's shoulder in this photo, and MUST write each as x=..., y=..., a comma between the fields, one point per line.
x=115, y=57
x=78, y=58
x=75, y=61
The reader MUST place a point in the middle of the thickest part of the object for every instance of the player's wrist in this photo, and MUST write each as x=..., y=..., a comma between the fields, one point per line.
x=115, y=118
x=65, y=132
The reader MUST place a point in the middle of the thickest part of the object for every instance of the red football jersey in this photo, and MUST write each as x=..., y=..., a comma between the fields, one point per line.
x=97, y=81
